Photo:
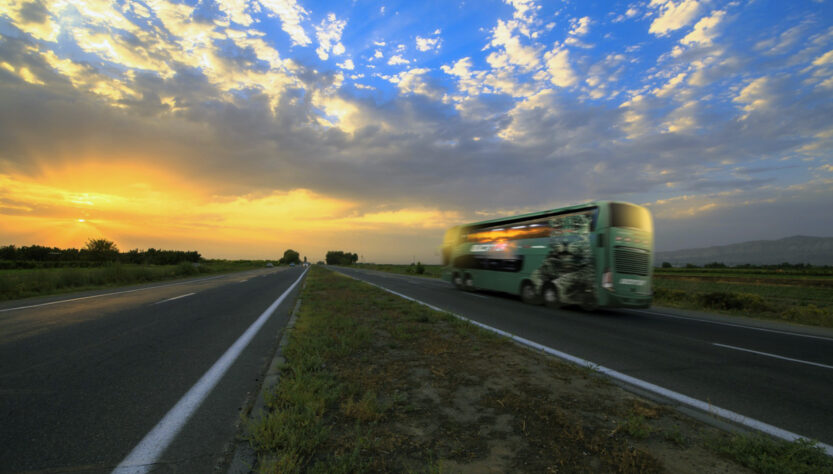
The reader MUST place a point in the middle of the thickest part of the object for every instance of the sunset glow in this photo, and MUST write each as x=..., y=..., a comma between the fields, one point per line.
x=241, y=129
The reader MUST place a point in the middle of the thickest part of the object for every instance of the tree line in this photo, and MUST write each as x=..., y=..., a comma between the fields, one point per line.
x=96, y=251
x=779, y=266
x=338, y=257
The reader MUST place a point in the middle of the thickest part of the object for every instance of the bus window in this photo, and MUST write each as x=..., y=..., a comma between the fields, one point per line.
x=628, y=215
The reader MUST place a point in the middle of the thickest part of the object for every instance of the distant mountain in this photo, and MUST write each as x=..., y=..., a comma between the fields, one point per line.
x=796, y=249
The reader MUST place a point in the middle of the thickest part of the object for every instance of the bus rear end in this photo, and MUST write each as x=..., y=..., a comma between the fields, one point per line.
x=627, y=250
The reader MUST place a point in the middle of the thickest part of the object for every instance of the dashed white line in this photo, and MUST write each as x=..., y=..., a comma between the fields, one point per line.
x=174, y=298
x=147, y=452
x=774, y=356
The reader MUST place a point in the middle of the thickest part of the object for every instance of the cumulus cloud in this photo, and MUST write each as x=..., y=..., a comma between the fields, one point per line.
x=428, y=44
x=328, y=34
x=705, y=30
x=580, y=26
x=397, y=60
x=673, y=15
x=559, y=67
x=291, y=15
x=514, y=52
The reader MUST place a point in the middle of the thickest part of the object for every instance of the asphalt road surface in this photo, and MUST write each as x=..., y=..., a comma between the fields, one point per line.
x=84, y=378
x=776, y=373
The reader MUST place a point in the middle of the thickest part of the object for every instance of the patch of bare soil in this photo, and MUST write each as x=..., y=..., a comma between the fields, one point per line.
x=453, y=398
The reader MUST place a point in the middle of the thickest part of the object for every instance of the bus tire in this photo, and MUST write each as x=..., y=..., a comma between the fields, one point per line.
x=528, y=293
x=457, y=280
x=468, y=282
x=550, y=296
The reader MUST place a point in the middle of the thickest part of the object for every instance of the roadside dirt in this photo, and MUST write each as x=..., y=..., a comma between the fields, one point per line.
x=463, y=400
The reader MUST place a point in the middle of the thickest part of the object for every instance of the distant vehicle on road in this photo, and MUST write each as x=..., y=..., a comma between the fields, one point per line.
x=597, y=254
x=292, y=264
x=269, y=265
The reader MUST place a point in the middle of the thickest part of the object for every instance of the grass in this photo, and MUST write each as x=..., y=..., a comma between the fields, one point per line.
x=431, y=271
x=801, y=301
x=767, y=455
x=24, y=283
x=376, y=383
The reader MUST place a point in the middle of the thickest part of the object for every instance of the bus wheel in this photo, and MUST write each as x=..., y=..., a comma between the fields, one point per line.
x=528, y=293
x=550, y=295
x=468, y=282
x=458, y=281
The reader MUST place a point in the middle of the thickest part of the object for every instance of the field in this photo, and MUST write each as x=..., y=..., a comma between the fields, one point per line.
x=375, y=383
x=804, y=297
x=23, y=283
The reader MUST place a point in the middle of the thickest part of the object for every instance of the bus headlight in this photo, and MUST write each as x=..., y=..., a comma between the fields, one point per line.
x=607, y=280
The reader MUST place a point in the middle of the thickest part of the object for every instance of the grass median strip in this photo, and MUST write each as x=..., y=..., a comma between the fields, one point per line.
x=374, y=382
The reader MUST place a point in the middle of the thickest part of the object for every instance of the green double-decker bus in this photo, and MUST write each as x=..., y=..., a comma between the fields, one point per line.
x=594, y=255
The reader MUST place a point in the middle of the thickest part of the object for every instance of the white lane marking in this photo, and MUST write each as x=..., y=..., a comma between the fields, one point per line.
x=147, y=452
x=767, y=354
x=662, y=391
x=174, y=298
x=788, y=333
x=110, y=294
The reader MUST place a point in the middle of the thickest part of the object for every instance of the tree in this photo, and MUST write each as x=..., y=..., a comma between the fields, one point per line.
x=338, y=257
x=291, y=256
x=666, y=265
x=102, y=250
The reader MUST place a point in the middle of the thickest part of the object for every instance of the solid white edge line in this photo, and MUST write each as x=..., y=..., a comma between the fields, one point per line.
x=742, y=326
x=175, y=298
x=110, y=294
x=774, y=356
x=142, y=458
x=670, y=394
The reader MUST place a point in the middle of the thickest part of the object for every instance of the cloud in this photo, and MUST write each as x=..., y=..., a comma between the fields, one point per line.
x=414, y=81
x=559, y=68
x=397, y=60
x=428, y=44
x=705, y=30
x=163, y=95
x=235, y=10
x=291, y=15
x=673, y=15
x=514, y=52
x=328, y=34
x=580, y=26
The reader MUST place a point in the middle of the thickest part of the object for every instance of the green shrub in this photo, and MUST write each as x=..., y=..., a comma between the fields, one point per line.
x=732, y=301
x=186, y=268
x=767, y=455
x=71, y=277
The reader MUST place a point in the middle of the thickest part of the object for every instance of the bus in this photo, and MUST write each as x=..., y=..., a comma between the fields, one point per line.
x=593, y=255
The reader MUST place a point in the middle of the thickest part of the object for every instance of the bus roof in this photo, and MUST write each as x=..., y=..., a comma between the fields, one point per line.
x=536, y=214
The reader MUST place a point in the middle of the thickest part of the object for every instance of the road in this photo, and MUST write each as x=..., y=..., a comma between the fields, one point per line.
x=84, y=378
x=776, y=373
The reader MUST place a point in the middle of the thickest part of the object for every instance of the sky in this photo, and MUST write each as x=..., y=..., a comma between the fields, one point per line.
x=242, y=128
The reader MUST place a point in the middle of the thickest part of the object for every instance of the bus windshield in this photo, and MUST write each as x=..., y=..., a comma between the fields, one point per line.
x=628, y=215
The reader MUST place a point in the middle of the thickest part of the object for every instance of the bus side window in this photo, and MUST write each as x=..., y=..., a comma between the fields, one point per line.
x=601, y=241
